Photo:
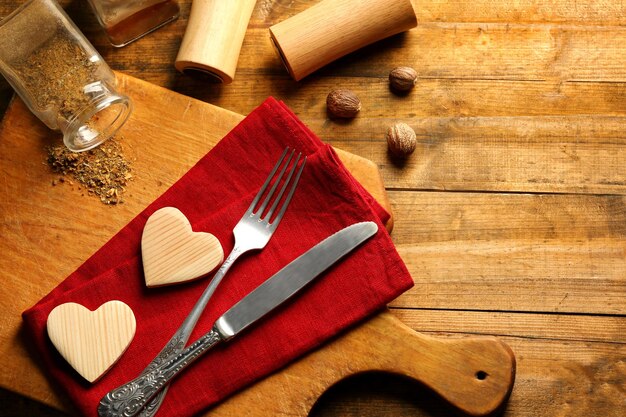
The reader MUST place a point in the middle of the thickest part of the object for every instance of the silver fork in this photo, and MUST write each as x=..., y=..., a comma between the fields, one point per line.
x=253, y=231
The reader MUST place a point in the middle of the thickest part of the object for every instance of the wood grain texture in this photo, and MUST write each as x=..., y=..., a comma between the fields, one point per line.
x=91, y=341
x=561, y=371
x=505, y=231
x=542, y=154
x=513, y=252
x=333, y=28
x=473, y=51
x=213, y=37
x=474, y=374
x=583, y=12
x=171, y=252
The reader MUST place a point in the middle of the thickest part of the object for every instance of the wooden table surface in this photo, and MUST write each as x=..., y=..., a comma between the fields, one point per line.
x=510, y=215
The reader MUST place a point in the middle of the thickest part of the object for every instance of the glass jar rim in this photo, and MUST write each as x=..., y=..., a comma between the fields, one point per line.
x=78, y=125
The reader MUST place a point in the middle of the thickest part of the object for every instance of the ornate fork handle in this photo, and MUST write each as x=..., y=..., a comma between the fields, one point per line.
x=174, y=346
x=129, y=399
x=177, y=343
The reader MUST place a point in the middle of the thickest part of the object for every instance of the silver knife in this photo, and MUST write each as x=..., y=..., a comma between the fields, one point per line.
x=128, y=399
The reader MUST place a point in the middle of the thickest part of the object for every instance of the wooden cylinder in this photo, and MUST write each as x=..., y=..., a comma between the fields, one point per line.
x=213, y=37
x=334, y=28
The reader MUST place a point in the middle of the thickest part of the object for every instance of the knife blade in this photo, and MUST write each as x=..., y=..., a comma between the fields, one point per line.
x=128, y=399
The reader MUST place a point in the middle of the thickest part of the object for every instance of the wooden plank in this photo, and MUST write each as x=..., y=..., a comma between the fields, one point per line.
x=434, y=217
x=430, y=98
x=564, y=327
x=584, y=12
x=472, y=50
x=513, y=252
x=494, y=51
x=539, y=276
x=571, y=154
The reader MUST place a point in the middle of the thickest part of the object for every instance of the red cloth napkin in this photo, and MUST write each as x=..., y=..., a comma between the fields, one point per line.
x=213, y=195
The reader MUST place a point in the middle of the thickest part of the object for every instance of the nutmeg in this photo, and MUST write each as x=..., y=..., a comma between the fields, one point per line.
x=402, y=78
x=343, y=103
x=401, y=139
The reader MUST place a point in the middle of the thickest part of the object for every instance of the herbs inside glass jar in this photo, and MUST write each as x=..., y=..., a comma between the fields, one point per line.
x=58, y=71
x=60, y=75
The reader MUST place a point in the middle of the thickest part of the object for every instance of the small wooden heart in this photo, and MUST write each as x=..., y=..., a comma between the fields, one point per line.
x=91, y=341
x=173, y=253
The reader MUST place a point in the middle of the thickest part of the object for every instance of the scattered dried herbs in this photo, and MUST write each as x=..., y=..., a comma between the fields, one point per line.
x=103, y=171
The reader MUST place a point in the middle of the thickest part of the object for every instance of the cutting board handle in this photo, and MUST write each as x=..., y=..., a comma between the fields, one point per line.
x=474, y=374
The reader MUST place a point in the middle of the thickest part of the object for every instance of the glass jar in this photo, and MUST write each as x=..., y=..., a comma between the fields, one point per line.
x=128, y=20
x=60, y=76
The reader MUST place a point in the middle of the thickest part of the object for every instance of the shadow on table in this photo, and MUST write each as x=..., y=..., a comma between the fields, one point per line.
x=14, y=405
x=382, y=395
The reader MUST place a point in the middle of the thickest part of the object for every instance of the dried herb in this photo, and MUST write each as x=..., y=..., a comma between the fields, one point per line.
x=57, y=72
x=103, y=171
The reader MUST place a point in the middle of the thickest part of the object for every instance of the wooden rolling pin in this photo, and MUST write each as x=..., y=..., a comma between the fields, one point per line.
x=213, y=37
x=334, y=28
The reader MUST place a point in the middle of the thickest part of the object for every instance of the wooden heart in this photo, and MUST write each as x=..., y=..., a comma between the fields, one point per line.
x=173, y=253
x=91, y=341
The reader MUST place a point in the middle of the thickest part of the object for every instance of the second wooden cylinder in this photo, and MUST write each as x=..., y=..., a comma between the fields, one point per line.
x=214, y=36
x=334, y=28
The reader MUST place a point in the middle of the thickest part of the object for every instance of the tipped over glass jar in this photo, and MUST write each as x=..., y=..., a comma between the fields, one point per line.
x=60, y=76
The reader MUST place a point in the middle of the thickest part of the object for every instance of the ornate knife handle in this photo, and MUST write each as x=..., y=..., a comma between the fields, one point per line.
x=169, y=352
x=129, y=399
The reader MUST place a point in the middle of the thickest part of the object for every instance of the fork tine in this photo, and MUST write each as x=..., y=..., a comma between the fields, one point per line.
x=278, y=179
x=280, y=214
x=268, y=216
x=267, y=182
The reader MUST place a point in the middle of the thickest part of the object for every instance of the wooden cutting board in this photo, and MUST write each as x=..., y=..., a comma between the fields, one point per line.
x=48, y=231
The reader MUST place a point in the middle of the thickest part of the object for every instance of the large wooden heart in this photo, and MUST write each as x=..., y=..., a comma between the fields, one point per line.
x=91, y=341
x=173, y=253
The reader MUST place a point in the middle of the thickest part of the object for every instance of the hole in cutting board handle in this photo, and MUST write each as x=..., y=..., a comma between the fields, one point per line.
x=481, y=375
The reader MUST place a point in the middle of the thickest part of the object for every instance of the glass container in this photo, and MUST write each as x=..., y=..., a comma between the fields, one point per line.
x=60, y=76
x=125, y=21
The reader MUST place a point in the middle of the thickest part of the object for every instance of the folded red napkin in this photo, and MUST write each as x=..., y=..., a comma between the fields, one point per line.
x=213, y=195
